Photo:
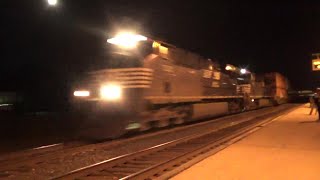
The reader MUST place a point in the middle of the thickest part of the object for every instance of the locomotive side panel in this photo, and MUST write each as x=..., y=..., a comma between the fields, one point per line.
x=172, y=83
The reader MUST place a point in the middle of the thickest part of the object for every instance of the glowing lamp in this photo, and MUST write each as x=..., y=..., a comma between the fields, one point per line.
x=127, y=40
x=81, y=93
x=228, y=68
x=243, y=71
x=52, y=2
x=110, y=92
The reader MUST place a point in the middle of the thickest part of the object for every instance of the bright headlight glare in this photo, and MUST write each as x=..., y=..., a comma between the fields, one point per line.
x=126, y=40
x=243, y=71
x=110, y=92
x=81, y=93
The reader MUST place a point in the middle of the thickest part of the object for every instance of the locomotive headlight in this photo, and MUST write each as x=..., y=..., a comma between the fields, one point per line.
x=81, y=93
x=243, y=71
x=127, y=40
x=110, y=92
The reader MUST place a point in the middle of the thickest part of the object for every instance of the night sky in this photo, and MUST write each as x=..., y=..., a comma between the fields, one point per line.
x=45, y=48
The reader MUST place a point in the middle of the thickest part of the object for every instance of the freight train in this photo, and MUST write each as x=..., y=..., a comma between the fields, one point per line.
x=149, y=83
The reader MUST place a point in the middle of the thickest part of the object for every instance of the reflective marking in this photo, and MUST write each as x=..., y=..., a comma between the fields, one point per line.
x=52, y=145
x=133, y=126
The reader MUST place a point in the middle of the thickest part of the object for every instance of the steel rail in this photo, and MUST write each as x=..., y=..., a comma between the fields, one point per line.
x=145, y=163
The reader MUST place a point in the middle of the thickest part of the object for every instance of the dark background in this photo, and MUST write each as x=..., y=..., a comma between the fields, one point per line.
x=45, y=49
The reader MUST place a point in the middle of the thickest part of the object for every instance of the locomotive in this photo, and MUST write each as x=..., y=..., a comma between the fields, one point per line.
x=150, y=83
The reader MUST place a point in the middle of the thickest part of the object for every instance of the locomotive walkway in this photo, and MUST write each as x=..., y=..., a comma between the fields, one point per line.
x=288, y=148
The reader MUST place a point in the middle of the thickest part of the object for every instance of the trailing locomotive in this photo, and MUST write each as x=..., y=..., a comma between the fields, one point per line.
x=152, y=83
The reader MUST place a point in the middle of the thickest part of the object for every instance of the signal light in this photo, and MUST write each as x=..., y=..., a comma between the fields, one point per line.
x=316, y=65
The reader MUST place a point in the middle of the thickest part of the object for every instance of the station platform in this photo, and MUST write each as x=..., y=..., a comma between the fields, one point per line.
x=287, y=148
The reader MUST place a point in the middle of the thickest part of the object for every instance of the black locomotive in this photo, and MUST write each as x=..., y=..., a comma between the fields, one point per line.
x=151, y=83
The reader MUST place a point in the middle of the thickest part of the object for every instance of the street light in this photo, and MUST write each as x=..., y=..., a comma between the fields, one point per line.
x=52, y=2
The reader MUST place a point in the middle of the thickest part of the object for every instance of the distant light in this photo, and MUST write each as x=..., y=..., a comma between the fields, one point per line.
x=243, y=71
x=211, y=67
x=81, y=93
x=316, y=64
x=126, y=40
x=52, y=2
x=252, y=100
x=5, y=105
x=228, y=68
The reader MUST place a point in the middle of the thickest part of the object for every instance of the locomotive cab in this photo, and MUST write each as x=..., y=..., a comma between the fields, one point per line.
x=109, y=81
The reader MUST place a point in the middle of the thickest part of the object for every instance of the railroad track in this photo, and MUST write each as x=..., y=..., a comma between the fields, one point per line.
x=36, y=152
x=164, y=160
x=49, y=163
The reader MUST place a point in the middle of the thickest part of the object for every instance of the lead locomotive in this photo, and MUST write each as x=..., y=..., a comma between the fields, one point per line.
x=149, y=83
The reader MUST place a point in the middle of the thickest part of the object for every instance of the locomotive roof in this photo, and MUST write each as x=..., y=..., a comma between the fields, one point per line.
x=175, y=53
